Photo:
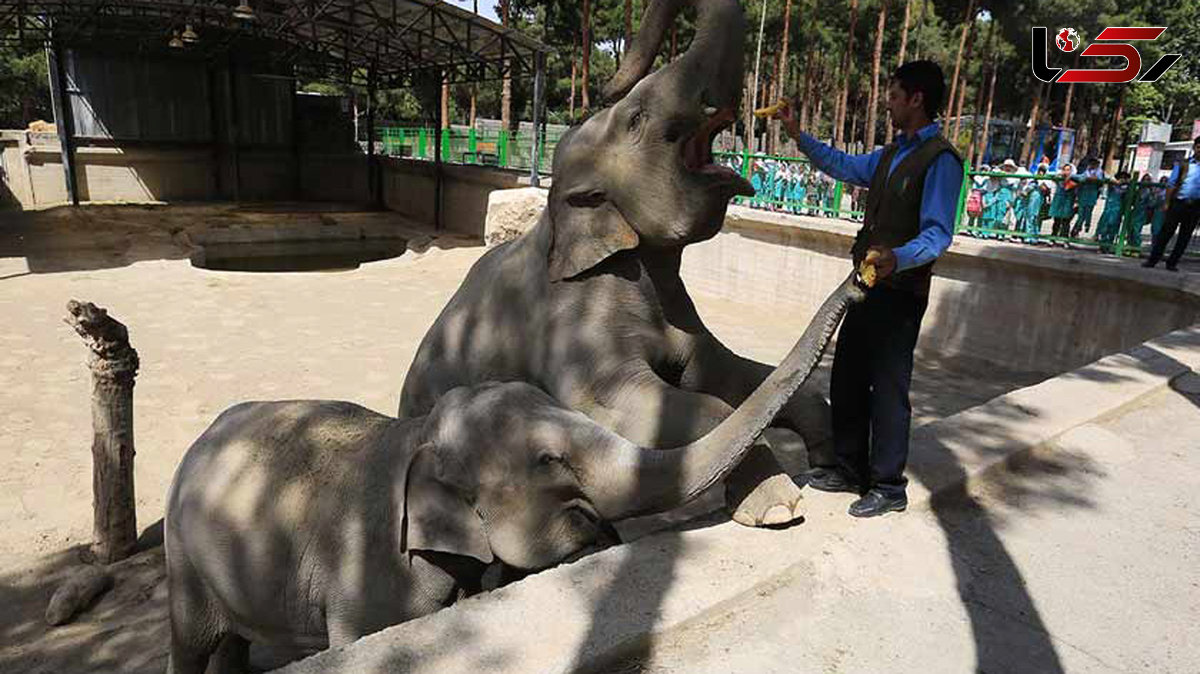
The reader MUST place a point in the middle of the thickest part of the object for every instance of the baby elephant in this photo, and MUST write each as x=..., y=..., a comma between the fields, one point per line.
x=314, y=523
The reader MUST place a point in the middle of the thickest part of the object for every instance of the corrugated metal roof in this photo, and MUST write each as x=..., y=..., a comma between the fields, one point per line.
x=402, y=40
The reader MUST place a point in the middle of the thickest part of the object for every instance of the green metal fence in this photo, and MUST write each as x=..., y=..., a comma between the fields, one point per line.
x=504, y=149
x=991, y=205
x=1126, y=228
x=793, y=185
x=1002, y=208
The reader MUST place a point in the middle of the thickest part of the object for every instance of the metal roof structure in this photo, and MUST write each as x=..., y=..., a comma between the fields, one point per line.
x=399, y=42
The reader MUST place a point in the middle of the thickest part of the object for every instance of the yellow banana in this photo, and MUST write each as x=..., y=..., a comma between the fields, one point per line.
x=770, y=110
x=866, y=273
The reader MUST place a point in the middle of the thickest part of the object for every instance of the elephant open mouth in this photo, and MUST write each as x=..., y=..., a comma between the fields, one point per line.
x=698, y=156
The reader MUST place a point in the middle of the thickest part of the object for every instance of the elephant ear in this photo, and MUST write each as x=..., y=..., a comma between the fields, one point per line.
x=438, y=513
x=587, y=229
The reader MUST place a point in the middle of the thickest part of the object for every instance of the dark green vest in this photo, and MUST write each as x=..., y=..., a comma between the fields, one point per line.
x=893, y=209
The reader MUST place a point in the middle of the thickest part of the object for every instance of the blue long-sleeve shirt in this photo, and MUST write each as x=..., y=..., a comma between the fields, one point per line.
x=1190, y=190
x=943, y=181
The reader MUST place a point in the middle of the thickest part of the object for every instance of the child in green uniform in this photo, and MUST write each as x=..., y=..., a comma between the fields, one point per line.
x=1143, y=210
x=1036, y=189
x=1062, y=206
x=1110, y=218
x=1087, y=195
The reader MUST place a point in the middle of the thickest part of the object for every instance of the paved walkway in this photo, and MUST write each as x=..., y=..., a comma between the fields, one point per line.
x=1083, y=560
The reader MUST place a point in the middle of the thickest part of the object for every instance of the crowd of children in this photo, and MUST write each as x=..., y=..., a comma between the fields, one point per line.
x=997, y=207
x=1016, y=207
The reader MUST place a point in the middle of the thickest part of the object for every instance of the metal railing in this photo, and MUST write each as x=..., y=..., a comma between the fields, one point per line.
x=504, y=149
x=1114, y=217
x=991, y=205
x=793, y=185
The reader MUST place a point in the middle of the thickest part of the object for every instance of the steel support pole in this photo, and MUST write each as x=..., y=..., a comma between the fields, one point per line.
x=372, y=183
x=539, y=92
x=64, y=123
x=235, y=131
x=437, y=156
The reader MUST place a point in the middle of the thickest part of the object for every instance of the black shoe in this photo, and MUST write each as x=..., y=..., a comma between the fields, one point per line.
x=876, y=503
x=1172, y=267
x=1148, y=264
x=831, y=480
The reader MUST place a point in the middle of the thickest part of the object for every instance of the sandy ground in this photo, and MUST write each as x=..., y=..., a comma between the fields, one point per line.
x=208, y=340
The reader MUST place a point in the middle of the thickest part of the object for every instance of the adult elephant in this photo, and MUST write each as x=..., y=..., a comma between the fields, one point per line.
x=589, y=304
x=314, y=523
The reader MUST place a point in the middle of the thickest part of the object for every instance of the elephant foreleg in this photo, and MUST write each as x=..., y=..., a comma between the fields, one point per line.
x=652, y=413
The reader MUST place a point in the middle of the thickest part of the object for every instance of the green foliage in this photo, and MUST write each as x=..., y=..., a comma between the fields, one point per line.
x=24, y=88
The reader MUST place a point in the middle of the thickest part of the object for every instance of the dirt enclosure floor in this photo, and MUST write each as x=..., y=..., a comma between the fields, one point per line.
x=210, y=339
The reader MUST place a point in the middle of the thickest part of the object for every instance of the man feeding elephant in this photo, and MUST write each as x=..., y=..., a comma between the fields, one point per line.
x=914, y=184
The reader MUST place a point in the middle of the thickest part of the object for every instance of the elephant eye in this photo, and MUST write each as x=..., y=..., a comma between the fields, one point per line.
x=588, y=199
x=548, y=459
x=636, y=120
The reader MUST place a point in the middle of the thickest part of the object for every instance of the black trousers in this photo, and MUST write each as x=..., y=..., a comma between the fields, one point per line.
x=1182, y=215
x=872, y=371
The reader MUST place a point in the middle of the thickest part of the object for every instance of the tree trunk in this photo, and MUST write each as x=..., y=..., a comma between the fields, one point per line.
x=968, y=20
x=887, y=123
x=1066, y=116
x=920, y=28
x=962, y=92
x=587, y=53
x=628, y=37
x=851, y=138
x=748, y=111
x=783, y=68
x=1027, y=148
x=506, y=88
x=445, y=103
x=805, y=103
x=1114, y=130
x=979, y=93
x=674, y=41
x=987, y=116
x=844, y=89
x=774, y=93
x=873, y=101
x=574, y=73
x=114, y=365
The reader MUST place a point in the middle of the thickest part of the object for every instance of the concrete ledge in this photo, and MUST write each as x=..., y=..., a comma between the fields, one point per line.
x=579, y=617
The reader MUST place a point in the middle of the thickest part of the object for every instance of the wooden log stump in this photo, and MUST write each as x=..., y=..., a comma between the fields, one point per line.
x=114, y=364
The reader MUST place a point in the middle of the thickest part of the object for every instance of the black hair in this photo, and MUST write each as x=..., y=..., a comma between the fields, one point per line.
x=1122, y=174
x=925, y=77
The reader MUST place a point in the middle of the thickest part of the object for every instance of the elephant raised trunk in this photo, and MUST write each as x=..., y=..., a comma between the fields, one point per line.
x=715, y=55
x=628, y=480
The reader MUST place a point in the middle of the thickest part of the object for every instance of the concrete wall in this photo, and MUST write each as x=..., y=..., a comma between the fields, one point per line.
x=113, y=171
x=33, y=177
x=408, y=188
x=1034, y=309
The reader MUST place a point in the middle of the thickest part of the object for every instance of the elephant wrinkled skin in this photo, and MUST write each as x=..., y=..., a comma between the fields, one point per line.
x=313, y=523
x=589, y=304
